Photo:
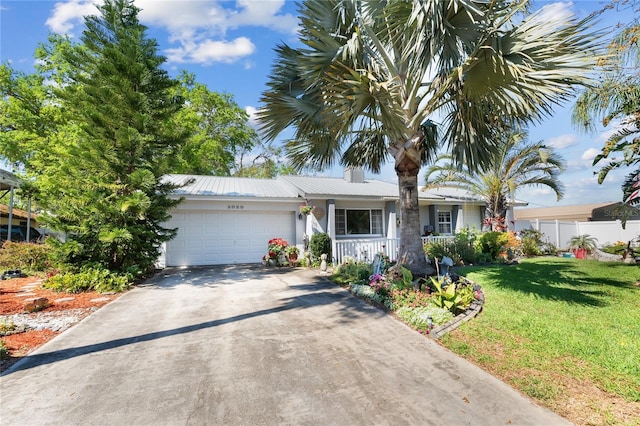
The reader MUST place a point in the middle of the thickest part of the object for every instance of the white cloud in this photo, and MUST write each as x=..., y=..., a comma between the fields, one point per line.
x=253, y=116
x=210, y=51
x=557, y=11
x=590, y=154
x=66, y=15
x=197, y=27
x=263, y=14
x=563, y=141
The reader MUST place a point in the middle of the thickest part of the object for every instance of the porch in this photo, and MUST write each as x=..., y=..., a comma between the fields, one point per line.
x=364, y=249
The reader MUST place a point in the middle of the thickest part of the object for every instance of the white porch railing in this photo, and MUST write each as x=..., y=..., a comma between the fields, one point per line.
x=439, y=238
x=364, y=249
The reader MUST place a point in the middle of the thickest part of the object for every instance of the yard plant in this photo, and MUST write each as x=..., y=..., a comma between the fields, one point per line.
x=376, y=82
x=565, y=332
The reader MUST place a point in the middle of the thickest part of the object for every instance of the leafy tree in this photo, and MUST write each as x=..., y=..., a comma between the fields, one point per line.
x=105, y=190
x=514, y=164
x=373, y=76
x=267, y=164
x=617, y=99
x=29, y=116
x=218, y=127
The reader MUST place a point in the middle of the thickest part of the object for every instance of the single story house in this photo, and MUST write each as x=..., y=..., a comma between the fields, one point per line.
x=227, y=220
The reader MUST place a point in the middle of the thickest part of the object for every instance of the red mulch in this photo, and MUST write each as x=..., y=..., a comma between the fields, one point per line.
x=21, y=344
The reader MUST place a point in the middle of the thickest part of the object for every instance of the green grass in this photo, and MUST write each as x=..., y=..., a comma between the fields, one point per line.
x=547, y=318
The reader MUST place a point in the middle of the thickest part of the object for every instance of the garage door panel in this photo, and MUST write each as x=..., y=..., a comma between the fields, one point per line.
x=210, y=238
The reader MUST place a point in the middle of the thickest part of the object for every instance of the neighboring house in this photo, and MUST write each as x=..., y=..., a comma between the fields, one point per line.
x=18, y=217
x=15, y=224
x=601, y=221
x=226, y=220
x=580, y=213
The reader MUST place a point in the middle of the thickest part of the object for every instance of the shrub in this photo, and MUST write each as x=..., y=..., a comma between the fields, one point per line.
x=26, y=256
x=531, y=242
x=409, y=298
x=455, y=297
x=492, y=243
x=513, y=246
x=366, y=291
x=6, y=326
x=585, y=241
x=459, y=250
x=352, y=273
x=89, y=279
x=4, y=351
x=423, y=317
x=319, y=244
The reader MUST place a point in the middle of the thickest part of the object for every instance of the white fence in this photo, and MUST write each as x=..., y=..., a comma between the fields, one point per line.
x=364, y=250
x=559, y=233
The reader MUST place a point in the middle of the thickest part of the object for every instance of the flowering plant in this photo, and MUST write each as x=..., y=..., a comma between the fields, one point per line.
x=277, y=247
x=291, y=250
x=379, y=284
x=306, y=209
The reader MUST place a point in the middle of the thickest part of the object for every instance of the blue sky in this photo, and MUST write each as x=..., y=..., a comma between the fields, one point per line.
x=229, y=46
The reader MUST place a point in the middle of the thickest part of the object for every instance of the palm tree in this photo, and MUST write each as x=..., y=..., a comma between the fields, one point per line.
x=616, y=99
x=515, y=164
x=372, y=77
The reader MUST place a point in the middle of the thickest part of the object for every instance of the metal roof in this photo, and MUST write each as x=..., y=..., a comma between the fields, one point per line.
x=8, y=180
x=339, y=188
x=223, y=186
x=287, y=187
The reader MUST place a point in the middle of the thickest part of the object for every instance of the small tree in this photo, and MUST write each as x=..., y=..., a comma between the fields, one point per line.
x=320, y=244
x=585, y=241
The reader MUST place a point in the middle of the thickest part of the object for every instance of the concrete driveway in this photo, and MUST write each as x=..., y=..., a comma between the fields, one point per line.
x=251, y=346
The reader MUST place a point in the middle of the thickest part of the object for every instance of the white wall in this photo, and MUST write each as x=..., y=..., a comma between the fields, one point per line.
x=560, y=233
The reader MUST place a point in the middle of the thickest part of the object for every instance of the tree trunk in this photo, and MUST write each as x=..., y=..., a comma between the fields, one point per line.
x=411, y=253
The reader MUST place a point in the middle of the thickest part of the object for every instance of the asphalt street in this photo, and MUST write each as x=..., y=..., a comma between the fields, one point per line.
x=247, y=345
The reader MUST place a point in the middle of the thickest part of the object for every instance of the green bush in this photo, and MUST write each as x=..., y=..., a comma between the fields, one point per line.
x=26, y=256
x=410, y=298
x=460, y=251
x=454, y=297
x=533, y=243
x=4, y=351
x=492, y=243
x=89, y=279
x=352, y=273
x=319, y=244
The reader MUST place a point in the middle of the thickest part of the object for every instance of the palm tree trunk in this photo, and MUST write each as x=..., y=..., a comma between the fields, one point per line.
x=411, y=253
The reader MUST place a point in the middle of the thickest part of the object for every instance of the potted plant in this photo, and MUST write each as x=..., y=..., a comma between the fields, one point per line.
x=276, y=250
x=306, y=209
x=582, y=245
x=292, y=253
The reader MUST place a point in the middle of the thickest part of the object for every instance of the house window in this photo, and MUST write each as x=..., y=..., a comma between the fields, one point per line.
x=444, y=222
x=358, y=222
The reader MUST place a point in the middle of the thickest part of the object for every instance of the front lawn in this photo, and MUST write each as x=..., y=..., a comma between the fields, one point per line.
x=564, y=331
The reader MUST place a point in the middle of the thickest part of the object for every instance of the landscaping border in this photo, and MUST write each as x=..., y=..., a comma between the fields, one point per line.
x=471, y=312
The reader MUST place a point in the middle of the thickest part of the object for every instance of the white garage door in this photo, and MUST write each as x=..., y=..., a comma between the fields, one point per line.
x=218, y=238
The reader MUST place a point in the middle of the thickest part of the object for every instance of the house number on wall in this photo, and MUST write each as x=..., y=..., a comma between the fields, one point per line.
x=235, y=207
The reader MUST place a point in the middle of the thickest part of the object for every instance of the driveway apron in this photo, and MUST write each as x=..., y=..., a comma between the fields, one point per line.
x=242, y=345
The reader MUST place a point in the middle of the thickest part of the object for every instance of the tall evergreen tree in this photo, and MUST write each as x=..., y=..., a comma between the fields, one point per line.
x=106, y=192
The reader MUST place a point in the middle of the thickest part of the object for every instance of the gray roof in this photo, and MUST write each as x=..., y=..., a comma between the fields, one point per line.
x=222, y=186
x=339, y=188
x=289, y=187
x=8, y=179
